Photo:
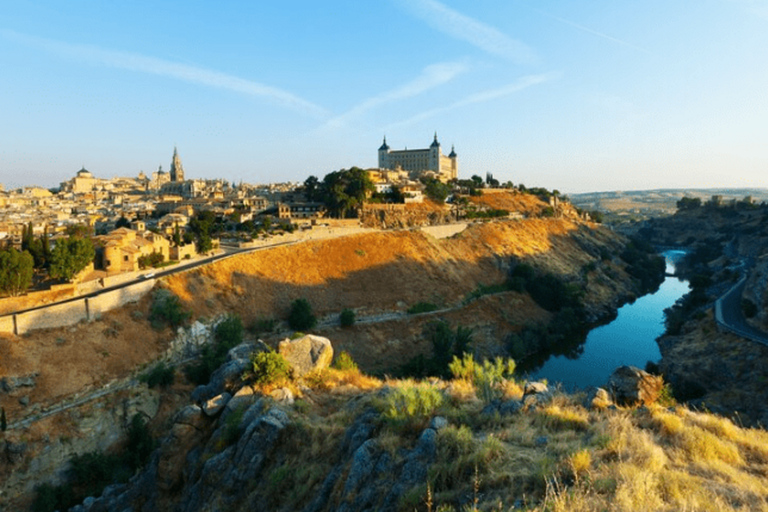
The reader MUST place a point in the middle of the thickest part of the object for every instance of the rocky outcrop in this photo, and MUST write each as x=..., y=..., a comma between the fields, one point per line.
x=307, y=353
x=633, y=386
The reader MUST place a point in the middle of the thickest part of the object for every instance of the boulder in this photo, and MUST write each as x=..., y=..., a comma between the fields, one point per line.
x=597, y=398
x=282, y=395
x=215, y=405
x=307, y=353
x=632, y=386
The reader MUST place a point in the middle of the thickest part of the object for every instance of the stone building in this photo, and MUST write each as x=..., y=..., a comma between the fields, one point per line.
x=120, y=250
x=177, y=171
x=419, y=162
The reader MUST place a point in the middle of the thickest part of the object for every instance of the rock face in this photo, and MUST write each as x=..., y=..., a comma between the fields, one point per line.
x=307, y=353
x=633, y=386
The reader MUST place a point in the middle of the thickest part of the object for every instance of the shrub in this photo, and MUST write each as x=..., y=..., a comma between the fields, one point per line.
x=749, y=308
x=344, y=362
x=347, y=318
x=229, y=332
x=166, y=309
x=410, y=402
x=487, y=377
x=269, y=368
x=422, y=307
x=161, y=375
x=301, y=317
x=261, y=325
x=3, y=420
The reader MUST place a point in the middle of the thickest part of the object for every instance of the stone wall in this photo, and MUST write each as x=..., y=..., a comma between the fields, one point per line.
x=70, y=313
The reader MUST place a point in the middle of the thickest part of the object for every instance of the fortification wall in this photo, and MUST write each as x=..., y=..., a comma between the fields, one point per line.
x=70, y=313
x=444, y=231
x=111, y=300
x=56, y=315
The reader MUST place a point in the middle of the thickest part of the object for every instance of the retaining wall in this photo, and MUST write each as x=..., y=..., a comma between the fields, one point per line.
x=70, y=313
x=56, y=315
x=444, y=231
x=111, y=300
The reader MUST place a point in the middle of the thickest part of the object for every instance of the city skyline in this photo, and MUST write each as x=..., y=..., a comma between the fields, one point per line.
x=605, y=96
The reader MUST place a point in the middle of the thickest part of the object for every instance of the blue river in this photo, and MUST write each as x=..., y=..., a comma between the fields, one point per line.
x=630, y=339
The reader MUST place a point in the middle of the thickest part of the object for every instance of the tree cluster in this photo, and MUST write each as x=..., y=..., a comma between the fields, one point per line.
x=342, y=192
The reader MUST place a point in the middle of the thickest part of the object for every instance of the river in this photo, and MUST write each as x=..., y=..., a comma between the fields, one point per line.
x=630, y=339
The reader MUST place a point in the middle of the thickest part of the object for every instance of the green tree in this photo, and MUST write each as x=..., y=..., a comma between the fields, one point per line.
x=347, y=318
x=70, y=256
x=3, y=420
x=436, y=190
x=16, y=269
x=312, y=188
x=122, y=222
x=301, y=317
x=345, y=190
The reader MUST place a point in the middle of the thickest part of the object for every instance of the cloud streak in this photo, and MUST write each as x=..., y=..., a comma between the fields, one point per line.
x=470, y=30
x=160, y=67
x=480, y=97
x=431, y=77
x=593, y=32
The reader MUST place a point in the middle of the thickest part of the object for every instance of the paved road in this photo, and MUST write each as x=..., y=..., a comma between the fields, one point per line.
x=728, y=314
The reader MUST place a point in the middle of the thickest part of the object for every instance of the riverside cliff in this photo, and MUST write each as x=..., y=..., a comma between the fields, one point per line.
x=380, y=276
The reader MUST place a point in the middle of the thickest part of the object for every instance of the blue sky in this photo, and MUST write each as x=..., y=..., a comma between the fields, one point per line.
x=578, y=96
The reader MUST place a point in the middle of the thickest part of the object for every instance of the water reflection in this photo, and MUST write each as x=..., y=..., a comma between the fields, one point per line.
x=629, y=339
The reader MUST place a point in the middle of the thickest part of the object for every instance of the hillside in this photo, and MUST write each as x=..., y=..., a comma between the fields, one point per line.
x=379, y=275
x=348, y=442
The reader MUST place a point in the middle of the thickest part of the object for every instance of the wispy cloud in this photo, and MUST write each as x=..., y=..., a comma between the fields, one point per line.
x=480, y=97
x=464, y=28
x=432, y=76
x=593, y=32
x=154, y=66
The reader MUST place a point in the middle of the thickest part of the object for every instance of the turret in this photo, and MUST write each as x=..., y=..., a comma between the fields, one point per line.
x=383, y=152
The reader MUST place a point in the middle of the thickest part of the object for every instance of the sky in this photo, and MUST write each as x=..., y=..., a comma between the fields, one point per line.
x=574, y=96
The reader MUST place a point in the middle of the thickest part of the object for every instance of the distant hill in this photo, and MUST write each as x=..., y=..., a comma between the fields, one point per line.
x=634, y=205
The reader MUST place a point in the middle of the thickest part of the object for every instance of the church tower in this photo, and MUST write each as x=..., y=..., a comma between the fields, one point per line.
x=177, y=171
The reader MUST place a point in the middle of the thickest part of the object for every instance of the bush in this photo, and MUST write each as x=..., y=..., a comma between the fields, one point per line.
x=229, y=332
x=166, y=309
x=261, y=325
x=269, y=368
x=749, y=308
x=410, y=402
x=347, y=318
x=161, y=375
x=301, y=317
x=422, y=307
x=344, y=362
x=486, y=377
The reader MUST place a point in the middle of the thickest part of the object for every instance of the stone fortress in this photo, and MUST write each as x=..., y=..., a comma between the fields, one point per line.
x=420, y=162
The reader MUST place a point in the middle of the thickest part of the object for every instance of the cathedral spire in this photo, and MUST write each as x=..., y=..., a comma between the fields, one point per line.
x=177, y=170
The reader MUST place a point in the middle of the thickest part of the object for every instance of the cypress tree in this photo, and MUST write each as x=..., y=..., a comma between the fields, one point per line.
x=3, y=421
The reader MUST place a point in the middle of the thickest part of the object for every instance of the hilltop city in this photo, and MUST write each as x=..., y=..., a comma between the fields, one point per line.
x=147, y=221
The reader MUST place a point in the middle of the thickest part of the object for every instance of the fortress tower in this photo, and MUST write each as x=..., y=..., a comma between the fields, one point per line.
x=419, y=161
x=177, y=171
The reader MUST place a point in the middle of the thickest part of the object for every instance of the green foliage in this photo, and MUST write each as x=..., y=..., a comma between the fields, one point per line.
x=151, y=260
x=269, y=368
x=486, y=376
x=16, y=269
x=122, y=222
x=166, y=309
x=435, y=189
x=70, y=256
x=644, y=264
x=3, y=420
x=232, y=425
x=483, y=289
x=301, y=318
x=262, y=325
x=446, y=343
x=229, y=332
x=688, y=203
x=90, y=472
x=202, y=226
x=344, y=362
x=411, y=402
x=227, y=335
x=347, y=318
x=160, y=375
x=422, y=307
x=489, y=213
x=343, y=191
